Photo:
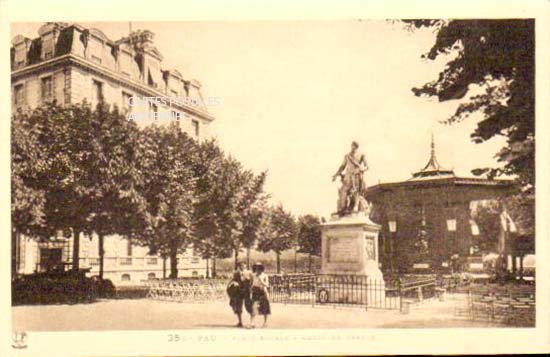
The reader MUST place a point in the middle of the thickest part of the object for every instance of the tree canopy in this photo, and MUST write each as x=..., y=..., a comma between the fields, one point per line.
x=498, y=56
x=491, y=67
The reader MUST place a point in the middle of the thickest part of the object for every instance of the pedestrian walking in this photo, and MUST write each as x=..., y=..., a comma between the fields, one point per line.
x=260, y=294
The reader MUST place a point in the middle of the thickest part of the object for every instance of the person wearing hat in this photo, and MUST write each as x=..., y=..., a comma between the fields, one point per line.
x=260, y=297
x=239, y=292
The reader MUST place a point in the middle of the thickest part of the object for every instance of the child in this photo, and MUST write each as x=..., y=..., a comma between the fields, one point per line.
x=260, y=300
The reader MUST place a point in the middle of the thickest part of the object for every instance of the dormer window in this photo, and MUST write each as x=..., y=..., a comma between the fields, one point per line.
x=48, y=46
x=20, y=55
x=125, y=64
x=95, y=50
x=154, y=77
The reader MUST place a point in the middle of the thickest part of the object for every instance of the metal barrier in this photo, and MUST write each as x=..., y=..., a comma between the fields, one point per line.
x=350, y=290
x=308, y=289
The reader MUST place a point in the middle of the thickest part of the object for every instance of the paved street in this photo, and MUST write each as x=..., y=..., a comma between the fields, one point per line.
x=147, y=314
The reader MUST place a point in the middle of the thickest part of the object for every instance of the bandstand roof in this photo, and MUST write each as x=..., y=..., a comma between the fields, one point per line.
x=433, y=178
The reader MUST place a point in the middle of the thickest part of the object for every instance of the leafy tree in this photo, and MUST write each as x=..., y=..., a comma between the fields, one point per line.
x=56, y=167
x=497, y=57
x=487, y=217
x=254, y=222
x=309, y=236
x=280, y=234
x=209, y=171
x=228, y=205
x=250, y=209
x=167, y=158
x=27, y=203
x=115, y=202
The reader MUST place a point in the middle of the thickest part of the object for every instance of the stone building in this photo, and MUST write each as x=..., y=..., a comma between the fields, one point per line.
x=69, y=63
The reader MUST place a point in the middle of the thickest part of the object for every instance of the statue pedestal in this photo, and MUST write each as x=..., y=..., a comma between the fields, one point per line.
x=350, y=246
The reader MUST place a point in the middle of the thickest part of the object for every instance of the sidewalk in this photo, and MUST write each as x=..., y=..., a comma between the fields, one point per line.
x=145, y=314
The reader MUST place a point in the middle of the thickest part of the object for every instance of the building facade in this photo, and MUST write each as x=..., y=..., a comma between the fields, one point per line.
x=68, y=64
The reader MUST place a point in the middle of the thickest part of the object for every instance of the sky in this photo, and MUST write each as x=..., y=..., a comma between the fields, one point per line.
x=293, y=95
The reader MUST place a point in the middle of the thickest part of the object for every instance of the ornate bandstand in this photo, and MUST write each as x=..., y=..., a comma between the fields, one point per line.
x=426, y=221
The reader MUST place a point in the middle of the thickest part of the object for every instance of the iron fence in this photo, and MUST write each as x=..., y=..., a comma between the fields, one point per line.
x=308, y=289
x=351, y=290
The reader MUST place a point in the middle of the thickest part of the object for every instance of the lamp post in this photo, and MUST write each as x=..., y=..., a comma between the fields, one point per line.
x=392, y=227
x=451, y=227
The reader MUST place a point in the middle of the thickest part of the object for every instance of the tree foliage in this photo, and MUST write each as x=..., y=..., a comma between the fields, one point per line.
x=280, y=233
x=497, y=56
x=168, y=185
x=497, y=59
x=309, y=235
x=229, y=204
x=78, y=169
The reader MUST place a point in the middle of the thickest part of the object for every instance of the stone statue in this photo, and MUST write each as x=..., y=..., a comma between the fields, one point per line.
x=351, y=193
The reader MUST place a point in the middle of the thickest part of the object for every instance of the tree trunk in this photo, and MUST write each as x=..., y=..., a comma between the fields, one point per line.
x=173, y=263
x=14, y=251
x=295, y=261
x=207, y=268
x=101, y=255
x=214, y=267
x=76, y=249
x=236, y=256
x=248, y=258
x=309, y=262
x=164, y=266
x=278, y=262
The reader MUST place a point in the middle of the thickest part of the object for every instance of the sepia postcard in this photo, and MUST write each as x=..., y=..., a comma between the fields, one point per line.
x=297, y=178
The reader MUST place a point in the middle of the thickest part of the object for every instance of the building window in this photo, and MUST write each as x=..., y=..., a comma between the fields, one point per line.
x=97, y=89
x=151, y=276
x=152, y=261
x=95, y=50
x=47, y=89
x=125, y=261
x=125, y=64
x=175, y=115
x=153, y=110
x=196, y=128
x=19, y=95
x=20, y=55
x=125, y=277
x=195, y=260
x=186, y=89
x=126, y=101
x=48, y=46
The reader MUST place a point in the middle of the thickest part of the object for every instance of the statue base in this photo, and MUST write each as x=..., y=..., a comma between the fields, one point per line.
x=350, y=246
